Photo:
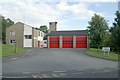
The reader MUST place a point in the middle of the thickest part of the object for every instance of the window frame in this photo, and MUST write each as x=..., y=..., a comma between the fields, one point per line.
x=12, y=41
x=27, y=36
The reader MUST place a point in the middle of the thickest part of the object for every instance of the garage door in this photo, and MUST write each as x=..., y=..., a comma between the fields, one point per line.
x=67, y=42
x=81, y=42
x=54, y=42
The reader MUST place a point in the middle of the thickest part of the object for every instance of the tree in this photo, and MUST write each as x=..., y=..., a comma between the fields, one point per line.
x=106, y=39
x=44, y=29
x=4, y=24
x=115, y=33
x=98, y=28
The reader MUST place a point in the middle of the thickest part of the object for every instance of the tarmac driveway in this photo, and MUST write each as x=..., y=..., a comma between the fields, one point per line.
x=49, y=63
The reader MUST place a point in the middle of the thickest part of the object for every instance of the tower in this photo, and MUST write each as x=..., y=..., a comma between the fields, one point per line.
x=52, y=26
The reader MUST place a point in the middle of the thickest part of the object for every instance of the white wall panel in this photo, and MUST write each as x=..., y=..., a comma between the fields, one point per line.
x=40, y=38
x=27, y=42
x=27, y=30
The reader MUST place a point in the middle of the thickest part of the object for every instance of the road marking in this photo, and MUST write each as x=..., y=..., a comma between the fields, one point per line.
x=54, y=75
x=34, y=76
x=40, y=77
x=44, y=75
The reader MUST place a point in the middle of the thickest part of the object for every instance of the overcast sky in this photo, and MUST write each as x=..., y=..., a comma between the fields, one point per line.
x=70, y=14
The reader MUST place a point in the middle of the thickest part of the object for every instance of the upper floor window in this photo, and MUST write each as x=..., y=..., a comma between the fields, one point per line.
x=12, y=33
x=28, y=36
x=39, y=33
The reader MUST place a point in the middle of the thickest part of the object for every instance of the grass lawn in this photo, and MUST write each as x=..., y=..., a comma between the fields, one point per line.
x=9, y=50
x=99, y=54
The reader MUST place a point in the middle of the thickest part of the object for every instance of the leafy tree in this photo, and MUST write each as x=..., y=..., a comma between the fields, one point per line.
x=97, y=28
x=4, y=24
x=106, y=39
x=44, y=29
x=115, y=33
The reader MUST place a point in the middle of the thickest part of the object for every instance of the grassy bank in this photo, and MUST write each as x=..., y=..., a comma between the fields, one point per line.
x=99, y=54
x=9, y=50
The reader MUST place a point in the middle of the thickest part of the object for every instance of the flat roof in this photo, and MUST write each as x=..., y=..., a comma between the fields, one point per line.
x=69, y=33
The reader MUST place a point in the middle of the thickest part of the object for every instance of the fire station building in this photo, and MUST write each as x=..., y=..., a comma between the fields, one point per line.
x=66, y=39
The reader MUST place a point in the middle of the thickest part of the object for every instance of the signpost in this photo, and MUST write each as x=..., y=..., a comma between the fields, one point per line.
x=106, y=50
x=15, y=46
x=14, y=42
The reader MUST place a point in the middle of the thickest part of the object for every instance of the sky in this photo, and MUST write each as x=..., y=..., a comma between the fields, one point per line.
x=69, y=14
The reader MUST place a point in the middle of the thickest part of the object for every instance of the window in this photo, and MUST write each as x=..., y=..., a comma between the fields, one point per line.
x=39, y=33
x=42, y=34
x=12, y=41
x=12, y=33
x=28, y=36
x=45, y=42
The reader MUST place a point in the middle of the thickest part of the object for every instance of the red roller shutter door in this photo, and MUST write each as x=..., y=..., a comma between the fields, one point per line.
x=54, y=42
x=81, y=42
x=67, y=42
